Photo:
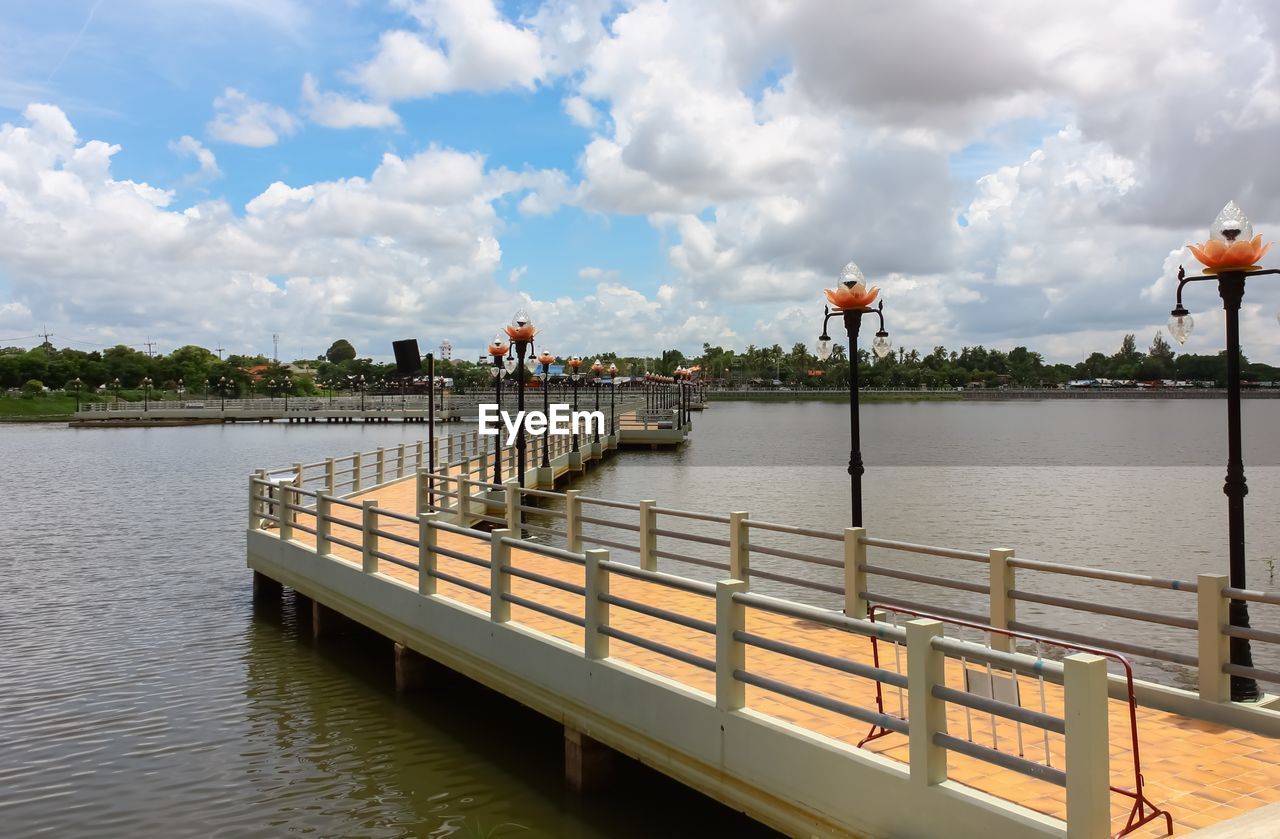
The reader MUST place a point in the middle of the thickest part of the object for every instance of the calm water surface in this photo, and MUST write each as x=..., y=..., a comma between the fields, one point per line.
x=144, y=694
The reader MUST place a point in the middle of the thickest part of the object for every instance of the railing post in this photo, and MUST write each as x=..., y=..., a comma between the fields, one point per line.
x=357, y=471
x=739, y=547
x=731, y=654
x=255, y=505
x=427, y=554
x=449, y=450
x=1002, y=610
x=330, y=475
x=483, y=456
x=595, y=644
x=499, y=580
x=323, y=524
x=512, y=488
x=573, y=520
x=1084, y=685
x=423, y=504
x=648, y=538
x=382, y=465
x=464, y=500
x=1211, y=618
x=927, y=714
x=368, y=539
x=297, y=474
x=855, y=578
x=400, y=461
x=419, y=459
x=285, y=496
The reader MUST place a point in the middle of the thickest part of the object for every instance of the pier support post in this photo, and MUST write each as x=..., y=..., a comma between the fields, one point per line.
x=1003, y=606
x=324, y=621
x=265, y=588
x=413, y=670
x=588, y=763
x=573, y=519
x=595, y=644
x=926, y=667
x=648, y=538
x=731, y=654
x=1214, y=645
x=739, y=547
x=1084, y=683
x=855, y=577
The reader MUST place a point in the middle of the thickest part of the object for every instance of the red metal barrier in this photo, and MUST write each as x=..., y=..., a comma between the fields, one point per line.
x=1143, y=810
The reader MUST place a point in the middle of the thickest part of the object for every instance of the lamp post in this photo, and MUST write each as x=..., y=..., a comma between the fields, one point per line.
x=360, y=383
x=521, y=331
x=222, y=391
x=115, y=385
x=1230, y=257
x=613, y=390
x=497, y=352
x=597, y=370
x=182, y=390
x=545, y=359
x=575, y=378
x=146, y=393
x=851, y=300
x=77, y=384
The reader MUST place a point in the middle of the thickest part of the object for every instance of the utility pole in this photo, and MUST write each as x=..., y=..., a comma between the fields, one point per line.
x=149, y=344
x=46, y=335
x=218, y=350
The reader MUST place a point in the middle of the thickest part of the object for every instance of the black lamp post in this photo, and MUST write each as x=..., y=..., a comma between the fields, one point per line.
x=360, y=383
x=146, y=393
x=222, y=390
x=497, y=352
x=597, y=370
x=544, y=360
x=613, y=390
x=852, y=299
x=1229, y=258
x=181, y=390
x=115, y=385
x=575, y=378
x=521, y=331
x=77, y=384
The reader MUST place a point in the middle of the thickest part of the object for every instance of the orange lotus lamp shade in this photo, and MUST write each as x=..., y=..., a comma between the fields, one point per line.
x=521, y=328
x=546, y=357
x=613, y=369
x=498, y=347
x=853, y=292
x=1231, y=245
x=597, y=367
x=575, y=363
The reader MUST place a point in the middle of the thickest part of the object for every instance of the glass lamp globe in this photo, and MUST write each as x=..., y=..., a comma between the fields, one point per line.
x=511, y=365
x=1231, y=225
x=531, y=365
x=1180, y=325
x=851, y=274
x=824, y=348
x=521, y=318
x=493, y=372
x=880, y=346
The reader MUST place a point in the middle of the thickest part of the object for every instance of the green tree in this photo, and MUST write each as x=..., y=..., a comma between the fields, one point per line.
x=340, y=350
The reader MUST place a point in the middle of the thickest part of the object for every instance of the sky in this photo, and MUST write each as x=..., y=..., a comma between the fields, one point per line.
x=639, y=176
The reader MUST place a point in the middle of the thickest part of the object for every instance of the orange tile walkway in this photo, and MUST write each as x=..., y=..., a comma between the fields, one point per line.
x=1202, y=773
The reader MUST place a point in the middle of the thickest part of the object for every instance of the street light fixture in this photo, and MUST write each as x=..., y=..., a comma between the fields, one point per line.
x=852, y=299
x=1230, y=256
x=146, y=393
x=77, y=384
x=521, y=332
x=545, y=360
x=575, y=378
x=115, y=385
x=613, y=390
x=597, y=370
x=182, y=390
x=498, y=349
x=222, y=390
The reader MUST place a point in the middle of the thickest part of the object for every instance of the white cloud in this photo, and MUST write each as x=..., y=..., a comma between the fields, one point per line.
x=463, y=45
x=248, y=122
x=580, y=111
x=188, y=146
x=333, y=110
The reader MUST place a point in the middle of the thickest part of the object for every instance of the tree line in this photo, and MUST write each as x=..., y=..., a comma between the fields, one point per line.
x=200, y=371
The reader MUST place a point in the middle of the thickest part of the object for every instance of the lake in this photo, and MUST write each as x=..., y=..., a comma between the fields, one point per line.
x=145, y=694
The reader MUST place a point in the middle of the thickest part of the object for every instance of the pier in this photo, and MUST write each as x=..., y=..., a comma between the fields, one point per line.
x=875, y=717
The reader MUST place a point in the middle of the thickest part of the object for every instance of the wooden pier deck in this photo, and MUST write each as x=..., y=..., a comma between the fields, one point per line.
x=1201, y=772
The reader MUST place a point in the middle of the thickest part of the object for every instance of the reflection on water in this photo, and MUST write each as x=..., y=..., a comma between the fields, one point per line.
x=143, y=693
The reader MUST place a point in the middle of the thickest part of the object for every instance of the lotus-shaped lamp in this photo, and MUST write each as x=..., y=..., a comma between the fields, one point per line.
x=521, y=328
x=597, y=367
x=546, y=358
x=852, y=293
x=613, y=369
x=1231, y=245
x=575, y=363
x=498, y=347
